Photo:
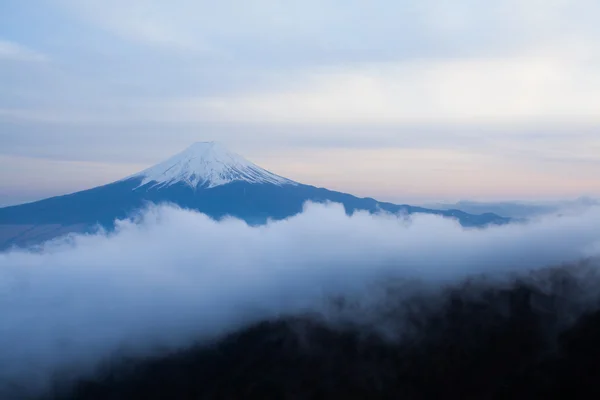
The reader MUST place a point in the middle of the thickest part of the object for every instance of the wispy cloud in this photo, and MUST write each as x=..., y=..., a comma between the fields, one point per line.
x=486, y=91
x=16, y=52
x=150, y=23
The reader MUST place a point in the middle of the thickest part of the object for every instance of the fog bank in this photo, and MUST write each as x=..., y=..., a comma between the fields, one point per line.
x=169, y=277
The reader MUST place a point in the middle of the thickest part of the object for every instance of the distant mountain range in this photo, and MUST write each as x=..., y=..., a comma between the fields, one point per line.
x=205, y=177
x=517, y=209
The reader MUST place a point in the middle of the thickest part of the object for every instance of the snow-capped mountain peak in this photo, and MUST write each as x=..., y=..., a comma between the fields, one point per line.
x=207, y=165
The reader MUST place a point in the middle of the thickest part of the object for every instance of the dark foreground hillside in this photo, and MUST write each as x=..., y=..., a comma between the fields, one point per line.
x=526, y=341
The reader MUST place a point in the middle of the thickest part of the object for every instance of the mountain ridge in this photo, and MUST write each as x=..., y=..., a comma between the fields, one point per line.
x=205, y=177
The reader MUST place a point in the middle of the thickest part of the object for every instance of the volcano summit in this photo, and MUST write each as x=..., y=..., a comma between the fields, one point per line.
x=207, y=165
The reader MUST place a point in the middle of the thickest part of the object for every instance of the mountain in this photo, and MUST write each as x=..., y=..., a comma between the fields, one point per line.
x=206, y=177
x=505, y=208
x=519, y=209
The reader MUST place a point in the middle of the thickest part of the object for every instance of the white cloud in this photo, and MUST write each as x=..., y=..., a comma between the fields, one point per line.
x=177, y=276
x=487, y=91
x=50, y=116
x=509, y=61
x=333, y=28
x=16, y=52
x=528, y=90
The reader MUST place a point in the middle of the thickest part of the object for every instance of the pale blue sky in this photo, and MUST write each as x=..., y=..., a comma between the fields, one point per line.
x=400, y=100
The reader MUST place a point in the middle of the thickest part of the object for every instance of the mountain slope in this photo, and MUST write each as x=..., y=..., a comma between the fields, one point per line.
x=208, y=178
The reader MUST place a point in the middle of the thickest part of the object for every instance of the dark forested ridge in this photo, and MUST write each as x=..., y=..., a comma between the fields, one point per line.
x=536, y=338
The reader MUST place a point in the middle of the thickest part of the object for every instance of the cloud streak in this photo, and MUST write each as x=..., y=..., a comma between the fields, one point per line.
x=508, y=91
x=171, y=277
x=15, y=52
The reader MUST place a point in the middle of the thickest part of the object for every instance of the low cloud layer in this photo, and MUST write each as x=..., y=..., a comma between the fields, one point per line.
x=171, y=276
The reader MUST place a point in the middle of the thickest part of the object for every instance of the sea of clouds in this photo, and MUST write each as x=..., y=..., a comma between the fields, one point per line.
x=169, y=277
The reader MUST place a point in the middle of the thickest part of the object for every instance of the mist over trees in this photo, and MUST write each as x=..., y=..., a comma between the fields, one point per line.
x=536, y=337
x=355, y=303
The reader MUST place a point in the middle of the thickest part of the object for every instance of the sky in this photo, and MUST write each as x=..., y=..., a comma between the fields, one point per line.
x=398, y=100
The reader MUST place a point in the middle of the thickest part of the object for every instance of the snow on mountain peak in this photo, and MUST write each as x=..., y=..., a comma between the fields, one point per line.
x=207, y=164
